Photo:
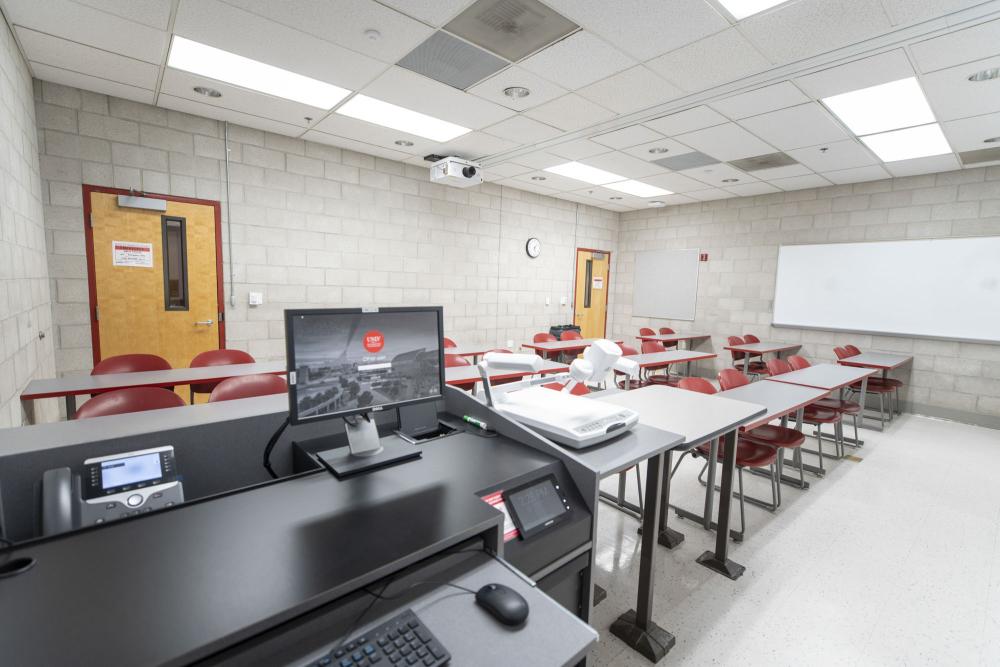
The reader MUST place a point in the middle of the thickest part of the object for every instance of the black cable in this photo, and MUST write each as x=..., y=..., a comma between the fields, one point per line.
x=380, y=595
x=270, y=447
x=357, y=621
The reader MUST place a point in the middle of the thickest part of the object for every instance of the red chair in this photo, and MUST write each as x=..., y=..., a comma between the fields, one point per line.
x=894, y=383
x=814, y=415
x=570, y=335
x=500, y=350
x=755, y=368
x=131, y=363
x=248, y=386
x=546, y=338
x=883, y=388
x=852, y=349
x=652, y=347
x=453, y=360
x=628, y=350
x=216, y=358
x=666, y=331
x=851, y=408
x=133, y=399
x=448, y=342
x=577, y=390
x=646, y=331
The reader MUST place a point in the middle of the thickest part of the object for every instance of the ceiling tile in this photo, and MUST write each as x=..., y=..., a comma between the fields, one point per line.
x=762, y=100
x=548, y=180
x=614, y=198
x=407, y=89
x=752, y=189
x=627, y=136
x=570, y=112
x=683, y=161
x=795, y=127
x=218, y=113
x=369, y=133
x=345, y=22
x=504, y=170
x=676, y=199
x=475, y=146
x=231, y=29
x=923, y=165
x=542, y=90
x=642, y=150
x=726, y=142
x=801, y=182
x=539, y=160
x=86, y=25
x=578, y=149
x=522, y=130
x=626, y=165
x=968, y=134
x=351, y=144
x=911, y=11
x=580, y=59
x=837, y=156
x=724, y=57
x=710, y=194
x=798, y=30
x=42, y=48
x=511, y=29
x=863, y=73
x=644, y=28
x=857, y=175
x=957, y=47
x=953, y=96
x=92, y=83
x=686, y=121
x=433, y=12
x=674, y=182
x=782, y=172
x=631, y=90
x=154, y=13
x=529, y=186
x=718, y=175
x=448, y=59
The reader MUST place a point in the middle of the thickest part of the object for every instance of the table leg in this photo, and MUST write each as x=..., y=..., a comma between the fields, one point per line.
x=28, y=407
x=718, y=560
x=713, y=456
x=669, y=537
x=70, y=407
x=636, y=627
x=746, y=363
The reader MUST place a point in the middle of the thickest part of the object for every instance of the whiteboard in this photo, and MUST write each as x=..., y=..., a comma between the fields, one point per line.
x=936, y=288
x=666, y=284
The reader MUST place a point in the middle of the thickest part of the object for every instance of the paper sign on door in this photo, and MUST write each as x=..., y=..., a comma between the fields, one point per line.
x=598, y=282
x=130, y=253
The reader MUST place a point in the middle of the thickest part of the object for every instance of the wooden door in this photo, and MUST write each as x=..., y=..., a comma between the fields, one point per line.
x=155, y=277
x=590, y=308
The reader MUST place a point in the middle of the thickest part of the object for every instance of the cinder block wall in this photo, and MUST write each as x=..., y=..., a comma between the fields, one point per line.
x=312, y=225
x=736, y=286
x=25, y=311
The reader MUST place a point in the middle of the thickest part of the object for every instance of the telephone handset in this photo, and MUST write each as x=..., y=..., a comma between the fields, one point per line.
x=109, y=488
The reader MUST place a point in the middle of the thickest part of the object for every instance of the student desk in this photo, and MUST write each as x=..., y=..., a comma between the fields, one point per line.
x=653, y=360
x=466, y=377
x=761, y=349
x=467, y=351
x=881, y=361
x=565, y=346
x=674, y=338
x=71, y=386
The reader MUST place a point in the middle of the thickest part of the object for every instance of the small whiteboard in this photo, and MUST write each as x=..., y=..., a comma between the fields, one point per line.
x=666, y=284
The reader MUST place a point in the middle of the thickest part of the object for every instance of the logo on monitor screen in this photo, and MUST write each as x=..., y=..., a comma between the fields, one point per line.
x=374, y=341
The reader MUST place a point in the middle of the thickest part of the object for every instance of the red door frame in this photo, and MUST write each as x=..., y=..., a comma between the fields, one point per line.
x=88, y=232
x=607, y=288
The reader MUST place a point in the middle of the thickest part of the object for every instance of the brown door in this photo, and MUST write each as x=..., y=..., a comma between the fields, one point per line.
x=590, y=308
x=154, y=278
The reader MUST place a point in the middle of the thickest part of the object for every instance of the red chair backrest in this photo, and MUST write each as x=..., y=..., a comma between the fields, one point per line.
x=221, y=358
x=730, y=378
x=570, y=335
x=131, y=363
x=736, y=340
x=501, y=350
x=133, y=399
x=853, y=350
x=646, y=331
x=841, y=353
x=577, y=390
x=544, y=338
x=700, y=385
x=798, y=363
x=651, y=346
x=448, y=342
x=247, y=386
x=628, y=350
x=452, y=360
x=666, y=331
x=778, y=366
x=750, y=338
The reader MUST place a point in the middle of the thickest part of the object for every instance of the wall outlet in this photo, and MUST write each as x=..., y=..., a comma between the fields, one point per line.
x=548, y=301
x=562, y=301
x=255, y=298
x=510, y=343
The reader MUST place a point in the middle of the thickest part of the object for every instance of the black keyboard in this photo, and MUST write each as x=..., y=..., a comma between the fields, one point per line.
x=402, y=641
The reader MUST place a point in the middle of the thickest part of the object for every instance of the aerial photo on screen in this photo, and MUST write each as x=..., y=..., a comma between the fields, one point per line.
x=347, y=362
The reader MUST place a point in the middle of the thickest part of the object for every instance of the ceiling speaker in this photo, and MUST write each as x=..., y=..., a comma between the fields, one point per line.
x=511, y=28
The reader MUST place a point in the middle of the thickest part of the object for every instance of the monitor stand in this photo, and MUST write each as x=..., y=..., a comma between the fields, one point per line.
x=366, y=451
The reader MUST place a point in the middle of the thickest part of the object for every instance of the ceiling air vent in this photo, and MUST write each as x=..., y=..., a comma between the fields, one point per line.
x=451, y=61
x=769, y=161
x=980, y=156
x=686, y=161
x=511, y=28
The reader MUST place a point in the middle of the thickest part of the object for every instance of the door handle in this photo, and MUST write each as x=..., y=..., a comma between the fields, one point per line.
x=206, y=323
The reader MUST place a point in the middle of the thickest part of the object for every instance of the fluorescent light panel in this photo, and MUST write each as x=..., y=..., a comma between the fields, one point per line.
x=740, y=9
x=638, y=189
x=888, y=106
x=585, y=173
x=909, y=143
x=400, y=118
x=228, y=67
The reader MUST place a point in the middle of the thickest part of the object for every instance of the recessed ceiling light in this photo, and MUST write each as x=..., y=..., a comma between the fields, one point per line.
x=986, y=75
x=207, y=92
x=400, y=118
x=638, y=189
x=730, y=180
x=517, y=92
x=538, y=178
x=888, y=106
x=657, y=204
x=224, y=66
x=403, y=142
x=992, y=140
x=912, y=142
x=373, y=34
x=740, y=9
x=614, y=198
x=656, y=150
x=585, y=173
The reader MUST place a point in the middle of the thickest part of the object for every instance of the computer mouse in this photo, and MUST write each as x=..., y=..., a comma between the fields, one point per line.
x=503, y=603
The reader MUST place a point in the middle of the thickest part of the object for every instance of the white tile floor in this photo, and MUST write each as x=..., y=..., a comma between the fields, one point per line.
x=894, y=560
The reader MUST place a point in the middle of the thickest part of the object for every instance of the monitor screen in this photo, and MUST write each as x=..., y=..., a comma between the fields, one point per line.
x=348, y=361
x=132, y=470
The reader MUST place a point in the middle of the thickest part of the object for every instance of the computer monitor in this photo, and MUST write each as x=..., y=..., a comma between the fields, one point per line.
x=349, y=362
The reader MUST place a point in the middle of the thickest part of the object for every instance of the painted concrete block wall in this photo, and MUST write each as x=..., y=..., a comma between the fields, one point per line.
x=736, y=286
x=26, y=340
x=312, y=225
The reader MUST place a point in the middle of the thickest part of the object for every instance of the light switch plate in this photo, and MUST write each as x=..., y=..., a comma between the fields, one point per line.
x=256, y=298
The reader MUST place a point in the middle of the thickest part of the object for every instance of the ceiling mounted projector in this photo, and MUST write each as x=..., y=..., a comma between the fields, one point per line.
x=456, y=171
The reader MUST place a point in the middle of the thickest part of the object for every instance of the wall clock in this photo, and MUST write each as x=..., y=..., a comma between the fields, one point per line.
x=533, y=247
